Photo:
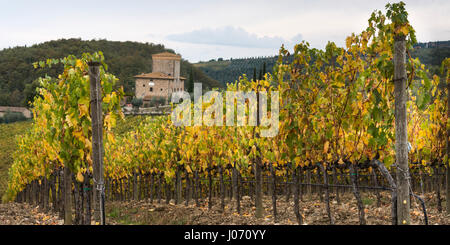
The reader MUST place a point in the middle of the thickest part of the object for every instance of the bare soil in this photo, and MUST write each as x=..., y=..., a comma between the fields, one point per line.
x=313, y=211
x=24, y=214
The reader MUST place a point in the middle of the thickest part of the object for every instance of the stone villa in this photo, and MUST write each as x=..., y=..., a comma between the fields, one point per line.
x=164, y=79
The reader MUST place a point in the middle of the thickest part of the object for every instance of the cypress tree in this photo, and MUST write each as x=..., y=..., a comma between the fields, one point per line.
x=264, y=69
x=191, y=81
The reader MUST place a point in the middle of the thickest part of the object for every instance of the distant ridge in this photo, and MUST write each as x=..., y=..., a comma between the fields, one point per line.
x=228, y=71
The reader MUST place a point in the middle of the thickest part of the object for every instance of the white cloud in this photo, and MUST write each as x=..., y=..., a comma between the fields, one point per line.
x=205, y=29
x=232, y=36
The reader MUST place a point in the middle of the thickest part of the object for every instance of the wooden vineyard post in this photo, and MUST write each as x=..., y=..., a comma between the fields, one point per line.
x=308, y=187
x=222, y=190
x=210, y=204
x=135, y=186
x=236, y=188
x=67, y=196
x=178, y=185
x=401, y=132
x=97, y=141
x=323, y=169
x=447, y=164
x=354, y=179
x=188, y=187
x=274, y=189
x=53, y=191
x=296, y=182
x=258, y=164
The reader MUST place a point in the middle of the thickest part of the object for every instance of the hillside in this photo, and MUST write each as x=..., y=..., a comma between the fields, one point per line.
x=226, y=71
x=125, y=60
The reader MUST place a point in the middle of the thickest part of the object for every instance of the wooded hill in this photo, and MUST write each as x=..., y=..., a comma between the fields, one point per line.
x=225, y=71
x=125, y=59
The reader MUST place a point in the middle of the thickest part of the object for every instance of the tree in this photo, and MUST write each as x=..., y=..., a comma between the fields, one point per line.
x=137, y=102
x=191, y=82
x=264, y=69
x=30, y=92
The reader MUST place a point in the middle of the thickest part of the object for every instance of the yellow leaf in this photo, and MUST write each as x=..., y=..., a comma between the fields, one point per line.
x=404, y=30
x=297, y=160
x=83, y=110
x=188, y=169
x=107, y=99
x=79, y=135
x=326, y=146
x=79, y=63
x=80, y=177
x=111, y=138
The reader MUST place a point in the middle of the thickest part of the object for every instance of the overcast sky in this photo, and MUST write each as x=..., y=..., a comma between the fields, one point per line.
x=203, y=30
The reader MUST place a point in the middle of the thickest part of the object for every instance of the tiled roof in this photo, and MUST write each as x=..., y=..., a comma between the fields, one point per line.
x=166, y=55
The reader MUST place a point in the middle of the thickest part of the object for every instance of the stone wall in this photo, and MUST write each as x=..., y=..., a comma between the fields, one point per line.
x=27, y=113
x=160, y=87
x=166, y=66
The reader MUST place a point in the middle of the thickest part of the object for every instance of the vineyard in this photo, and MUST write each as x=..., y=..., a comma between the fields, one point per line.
x=338, y=137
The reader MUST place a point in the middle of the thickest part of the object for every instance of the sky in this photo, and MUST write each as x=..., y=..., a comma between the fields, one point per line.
x=201, y=30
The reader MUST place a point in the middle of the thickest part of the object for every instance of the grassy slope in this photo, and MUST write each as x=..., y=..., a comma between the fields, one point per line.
x=8, y=133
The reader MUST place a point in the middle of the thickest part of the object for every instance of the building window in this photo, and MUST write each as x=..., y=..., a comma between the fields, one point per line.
x=143, y=85
x=161, y=89
x=151, y=89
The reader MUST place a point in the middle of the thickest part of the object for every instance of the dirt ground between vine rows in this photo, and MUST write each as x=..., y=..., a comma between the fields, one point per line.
x=313, y=212
x=24, y=214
